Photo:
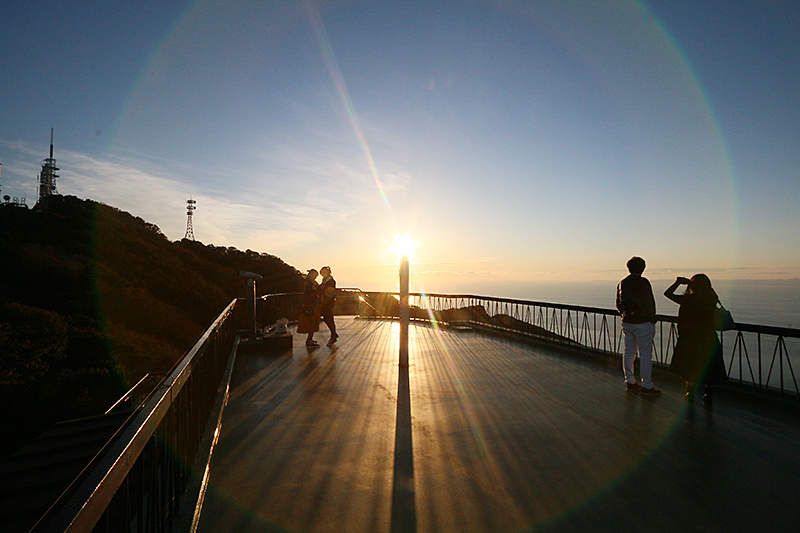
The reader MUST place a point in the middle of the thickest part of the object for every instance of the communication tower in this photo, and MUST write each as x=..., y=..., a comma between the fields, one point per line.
x=47, y=177
x=190, y=207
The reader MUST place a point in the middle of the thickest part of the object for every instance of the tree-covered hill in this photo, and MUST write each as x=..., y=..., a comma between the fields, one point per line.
x=92, y=298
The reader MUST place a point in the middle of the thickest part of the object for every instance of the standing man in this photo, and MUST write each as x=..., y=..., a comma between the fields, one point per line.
x=327, y=299
x=637, y=306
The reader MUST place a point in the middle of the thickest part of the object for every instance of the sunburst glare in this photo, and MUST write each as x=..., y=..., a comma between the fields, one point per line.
x=404, y=246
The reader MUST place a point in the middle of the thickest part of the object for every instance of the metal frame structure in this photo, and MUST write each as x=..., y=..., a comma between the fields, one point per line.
x=191, y=205
x=47, y=177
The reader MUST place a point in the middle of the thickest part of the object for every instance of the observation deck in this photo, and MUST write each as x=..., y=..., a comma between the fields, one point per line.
x=511, y=416
x=506, y=436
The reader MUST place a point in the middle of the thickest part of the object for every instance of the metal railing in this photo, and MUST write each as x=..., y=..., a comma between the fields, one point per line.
x=271, y=307
x=138, y=484
x=759, y=357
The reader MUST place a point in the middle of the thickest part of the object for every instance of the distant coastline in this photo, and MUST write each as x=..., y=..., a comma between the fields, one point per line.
x=764, y=302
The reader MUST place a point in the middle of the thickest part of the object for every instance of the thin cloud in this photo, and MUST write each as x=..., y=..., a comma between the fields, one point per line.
x=159, y=196
x=457, y=272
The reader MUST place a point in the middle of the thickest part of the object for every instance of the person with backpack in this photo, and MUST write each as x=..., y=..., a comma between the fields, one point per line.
x=698, y=354
x=637, y=306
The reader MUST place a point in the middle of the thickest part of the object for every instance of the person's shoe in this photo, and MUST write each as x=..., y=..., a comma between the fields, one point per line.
x=708, y=395
x=690, y=392
x=312, y=344
x=651, y=392
x=332, y=340
x=633, y=387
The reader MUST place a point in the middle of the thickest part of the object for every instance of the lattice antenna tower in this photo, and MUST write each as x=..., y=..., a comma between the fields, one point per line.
x=47, y=177
x=191, y=205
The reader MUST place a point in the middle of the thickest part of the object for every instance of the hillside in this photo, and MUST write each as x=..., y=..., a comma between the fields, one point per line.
x=92, y=298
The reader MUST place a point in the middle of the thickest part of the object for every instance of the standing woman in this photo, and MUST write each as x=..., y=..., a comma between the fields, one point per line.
x=698, y=353
x=327, y=301
x=309, y=309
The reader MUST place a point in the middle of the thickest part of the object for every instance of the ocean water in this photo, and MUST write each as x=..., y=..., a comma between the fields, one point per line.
x=762, y=302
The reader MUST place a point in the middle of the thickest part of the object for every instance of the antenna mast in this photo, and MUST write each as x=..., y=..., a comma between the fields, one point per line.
x=47, y=177
x=190, y=207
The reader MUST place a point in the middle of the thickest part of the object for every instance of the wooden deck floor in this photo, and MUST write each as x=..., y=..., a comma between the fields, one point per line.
x=506, y=437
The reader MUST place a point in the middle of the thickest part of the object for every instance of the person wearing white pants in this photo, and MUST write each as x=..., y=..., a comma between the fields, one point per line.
x=636, y=304
x=639, y=337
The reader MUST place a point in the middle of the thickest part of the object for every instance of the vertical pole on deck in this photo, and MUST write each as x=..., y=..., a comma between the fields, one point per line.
x=251, y=278
x=251, y=307
x=404, y=311
x=404, y=511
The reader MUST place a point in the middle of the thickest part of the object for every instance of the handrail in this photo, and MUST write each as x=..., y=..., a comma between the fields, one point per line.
x=43, y=519
x=756, y=356
x=753, y=328
x=165, y=435
x=600, y=330
x=128, y=395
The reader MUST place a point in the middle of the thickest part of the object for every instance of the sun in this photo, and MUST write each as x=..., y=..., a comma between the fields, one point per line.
x=404, y=246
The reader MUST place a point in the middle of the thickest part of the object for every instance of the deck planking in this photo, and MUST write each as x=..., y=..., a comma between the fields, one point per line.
x=506, y=437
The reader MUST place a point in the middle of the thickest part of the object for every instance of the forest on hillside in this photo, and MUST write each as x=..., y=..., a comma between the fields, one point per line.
x=92, y=298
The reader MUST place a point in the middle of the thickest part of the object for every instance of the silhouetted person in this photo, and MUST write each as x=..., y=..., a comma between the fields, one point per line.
x=698, y=353
x=327, y=299
x=637, y=306
x=309, y=309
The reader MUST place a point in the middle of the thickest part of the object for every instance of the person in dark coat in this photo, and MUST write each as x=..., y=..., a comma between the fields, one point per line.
x=698, y=353
x=309, y=309
x=327, y=300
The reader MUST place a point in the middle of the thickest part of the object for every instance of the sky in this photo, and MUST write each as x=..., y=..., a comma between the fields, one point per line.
x=513, y=142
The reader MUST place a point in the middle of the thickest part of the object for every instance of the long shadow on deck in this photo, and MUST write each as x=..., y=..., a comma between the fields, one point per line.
x=507, y=437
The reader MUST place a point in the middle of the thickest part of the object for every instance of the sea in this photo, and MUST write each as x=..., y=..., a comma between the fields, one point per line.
x=761, y=302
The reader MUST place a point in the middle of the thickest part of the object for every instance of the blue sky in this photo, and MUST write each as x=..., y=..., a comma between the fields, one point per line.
x=516, y=142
